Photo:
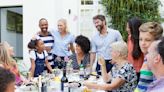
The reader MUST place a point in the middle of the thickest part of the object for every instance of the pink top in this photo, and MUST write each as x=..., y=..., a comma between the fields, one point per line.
x=15, y=71
x=137, y=63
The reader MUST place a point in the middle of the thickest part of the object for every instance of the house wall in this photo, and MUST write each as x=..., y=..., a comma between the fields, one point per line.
x=9, y=36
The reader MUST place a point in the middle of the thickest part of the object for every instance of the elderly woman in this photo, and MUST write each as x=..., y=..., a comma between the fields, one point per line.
x=82, y=52
x=122, y=77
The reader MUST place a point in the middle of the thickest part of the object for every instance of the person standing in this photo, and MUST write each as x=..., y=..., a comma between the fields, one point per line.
x=63, y=41
x=135, y=55
x=47, y=38
x=102, y=40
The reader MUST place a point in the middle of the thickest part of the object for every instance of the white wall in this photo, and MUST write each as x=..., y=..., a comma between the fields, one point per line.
x=52, y=10
x=11, y=3
x=33, y=10
x=9, y=36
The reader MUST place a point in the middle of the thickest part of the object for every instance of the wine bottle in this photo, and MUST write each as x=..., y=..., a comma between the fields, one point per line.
x=81, y=71
x=64, y=79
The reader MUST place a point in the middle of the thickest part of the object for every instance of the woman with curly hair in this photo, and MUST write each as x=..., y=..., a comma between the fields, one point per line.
x=82, y=55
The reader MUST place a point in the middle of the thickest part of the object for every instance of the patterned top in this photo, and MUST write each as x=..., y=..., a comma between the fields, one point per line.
x=127, y=73
x=75, y=64
x=146, y=77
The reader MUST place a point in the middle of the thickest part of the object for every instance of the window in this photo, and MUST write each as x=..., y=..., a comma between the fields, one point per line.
x=11, y=21
x=14, y=21
x=86, y=2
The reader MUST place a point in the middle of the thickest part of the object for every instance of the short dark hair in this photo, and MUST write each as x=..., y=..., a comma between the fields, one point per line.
x=6, y=77
x=84, y=43
x=160, y=48
x=42, y=19
x=100, y=17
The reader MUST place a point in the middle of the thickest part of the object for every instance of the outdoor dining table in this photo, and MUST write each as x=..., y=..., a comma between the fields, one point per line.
x=54, y=84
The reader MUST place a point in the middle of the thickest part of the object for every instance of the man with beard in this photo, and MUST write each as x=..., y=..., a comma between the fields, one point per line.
x=101, y=42
x=47, y=38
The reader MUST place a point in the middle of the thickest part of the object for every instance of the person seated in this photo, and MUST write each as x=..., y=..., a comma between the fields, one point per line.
x=38, y=58
x=82, y=52
x=122, y=77
x=7, y=80
x=8, y=63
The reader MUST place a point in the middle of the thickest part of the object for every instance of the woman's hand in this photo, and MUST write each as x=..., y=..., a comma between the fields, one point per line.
x=88, y=84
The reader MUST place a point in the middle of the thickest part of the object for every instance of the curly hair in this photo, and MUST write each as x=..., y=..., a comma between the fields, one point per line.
x=33, y=43
x=5, y=79
x=84, y=43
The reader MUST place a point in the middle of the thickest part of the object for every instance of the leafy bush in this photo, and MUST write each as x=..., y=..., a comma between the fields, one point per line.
x=121, y=10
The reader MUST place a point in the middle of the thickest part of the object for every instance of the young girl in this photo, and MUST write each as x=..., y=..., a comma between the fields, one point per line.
x=38, y=58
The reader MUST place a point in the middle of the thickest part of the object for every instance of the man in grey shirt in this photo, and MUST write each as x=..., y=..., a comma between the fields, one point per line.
x=101, y=42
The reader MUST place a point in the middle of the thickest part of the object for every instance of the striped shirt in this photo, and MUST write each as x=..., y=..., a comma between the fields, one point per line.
x=146, y=78
x=48, y=42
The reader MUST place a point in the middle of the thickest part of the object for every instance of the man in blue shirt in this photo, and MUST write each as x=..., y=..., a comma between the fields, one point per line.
x=101, y=42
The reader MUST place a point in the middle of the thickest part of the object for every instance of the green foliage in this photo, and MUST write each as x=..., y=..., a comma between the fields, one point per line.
x=121, y=10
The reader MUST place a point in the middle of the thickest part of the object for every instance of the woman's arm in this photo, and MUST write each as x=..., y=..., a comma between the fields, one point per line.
x=116, y=83
x=105, y=75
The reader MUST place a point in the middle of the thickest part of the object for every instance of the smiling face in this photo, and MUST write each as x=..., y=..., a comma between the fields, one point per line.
x=10, y=49
x=43, y=24
x=40, y=46
x=145, y=40
x=99, y=24
x=62, y=25
x=78, y=49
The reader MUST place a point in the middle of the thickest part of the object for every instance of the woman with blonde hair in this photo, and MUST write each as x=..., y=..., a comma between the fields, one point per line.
x=8, y=63
x=122, y=77
x=63, y=41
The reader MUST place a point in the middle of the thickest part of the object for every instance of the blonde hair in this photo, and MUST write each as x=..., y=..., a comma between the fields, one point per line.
x=4, y=56
x=121, y=47
x=64, y=21
x=154, y=28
